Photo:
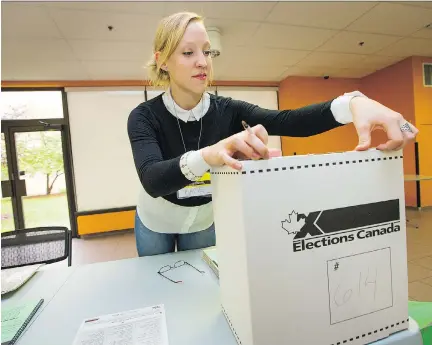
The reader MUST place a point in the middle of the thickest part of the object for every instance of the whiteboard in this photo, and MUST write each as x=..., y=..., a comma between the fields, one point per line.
x=262, y=97
x=104, y=170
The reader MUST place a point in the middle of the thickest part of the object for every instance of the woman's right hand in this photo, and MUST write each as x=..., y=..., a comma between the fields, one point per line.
x=243, y=145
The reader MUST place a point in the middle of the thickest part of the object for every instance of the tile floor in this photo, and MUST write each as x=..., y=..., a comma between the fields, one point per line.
x=419, y=248
x=121, y=245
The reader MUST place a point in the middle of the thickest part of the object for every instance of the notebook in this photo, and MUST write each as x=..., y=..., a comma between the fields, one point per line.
x=210, y=257
x=14, y=319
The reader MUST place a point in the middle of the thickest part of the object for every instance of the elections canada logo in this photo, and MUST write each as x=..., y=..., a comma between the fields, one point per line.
x=294, y=223
x=323, y=228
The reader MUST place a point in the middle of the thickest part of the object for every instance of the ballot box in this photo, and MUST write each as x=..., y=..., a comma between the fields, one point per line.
x=312, y=249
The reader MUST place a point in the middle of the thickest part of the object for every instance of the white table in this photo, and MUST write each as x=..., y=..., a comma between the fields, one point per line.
x=44, y=284
x=193, y=310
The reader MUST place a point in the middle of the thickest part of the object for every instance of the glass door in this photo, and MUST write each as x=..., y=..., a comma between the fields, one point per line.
x=41, y=178
x=37, y=167
x=38, y=183
x=7, y=209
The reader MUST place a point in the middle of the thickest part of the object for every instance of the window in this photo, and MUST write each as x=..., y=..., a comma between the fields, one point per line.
x=427, y=74
x=31, y=105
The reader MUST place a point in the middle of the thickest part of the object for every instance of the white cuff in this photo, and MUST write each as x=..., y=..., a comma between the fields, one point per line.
x=193, y=165
x=340, y=107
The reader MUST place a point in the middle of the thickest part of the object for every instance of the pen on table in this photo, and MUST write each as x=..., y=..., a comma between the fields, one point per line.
x=247, y=127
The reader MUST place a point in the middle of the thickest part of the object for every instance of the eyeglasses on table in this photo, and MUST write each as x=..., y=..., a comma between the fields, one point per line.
x=177, y=264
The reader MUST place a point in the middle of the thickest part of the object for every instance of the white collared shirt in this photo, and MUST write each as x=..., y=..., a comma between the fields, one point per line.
x=160, y=215
x=187, y=115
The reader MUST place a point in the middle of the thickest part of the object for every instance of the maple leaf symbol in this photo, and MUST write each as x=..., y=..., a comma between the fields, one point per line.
x=293, y=225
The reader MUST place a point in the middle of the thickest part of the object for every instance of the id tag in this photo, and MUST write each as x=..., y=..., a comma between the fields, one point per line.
x=202, y=187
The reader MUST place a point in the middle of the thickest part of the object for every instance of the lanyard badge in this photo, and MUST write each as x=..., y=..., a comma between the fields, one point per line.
x=202, y=187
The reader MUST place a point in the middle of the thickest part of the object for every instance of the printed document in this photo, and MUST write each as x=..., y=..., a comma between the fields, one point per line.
x=146, y=326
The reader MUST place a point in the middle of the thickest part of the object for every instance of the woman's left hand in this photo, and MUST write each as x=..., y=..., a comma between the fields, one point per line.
x=369, y=115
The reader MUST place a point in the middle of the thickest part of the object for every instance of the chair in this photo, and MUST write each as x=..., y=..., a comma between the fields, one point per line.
x=36, y=246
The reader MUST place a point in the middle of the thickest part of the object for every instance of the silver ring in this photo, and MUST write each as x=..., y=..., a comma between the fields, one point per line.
x=406, y=128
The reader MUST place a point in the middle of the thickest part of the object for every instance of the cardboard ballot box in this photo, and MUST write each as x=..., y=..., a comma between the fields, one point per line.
x=312, y=249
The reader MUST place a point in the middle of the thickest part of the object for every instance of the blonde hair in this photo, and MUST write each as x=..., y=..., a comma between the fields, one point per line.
x=169, y=33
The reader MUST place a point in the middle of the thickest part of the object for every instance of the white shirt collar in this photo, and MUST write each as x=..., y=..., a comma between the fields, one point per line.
x=186, y=115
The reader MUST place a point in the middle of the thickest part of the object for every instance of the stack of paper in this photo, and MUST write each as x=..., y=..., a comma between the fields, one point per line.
x=210, y=257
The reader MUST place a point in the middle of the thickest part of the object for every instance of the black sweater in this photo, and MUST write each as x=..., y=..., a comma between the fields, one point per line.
x=157, y=145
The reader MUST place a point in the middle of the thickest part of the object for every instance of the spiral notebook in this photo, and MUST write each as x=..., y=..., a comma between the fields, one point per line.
x=15, y=318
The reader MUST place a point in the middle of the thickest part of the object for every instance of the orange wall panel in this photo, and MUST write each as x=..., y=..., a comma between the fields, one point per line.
x=103, y=222
x=295, y=92
x=423, y=114
x=423, y=94
x=393, y=87
x=399, y=87
x=425, y=163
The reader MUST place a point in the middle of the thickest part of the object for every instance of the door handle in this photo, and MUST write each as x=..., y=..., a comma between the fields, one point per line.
x=51, y=125
x=6, y=187
x=21, y=188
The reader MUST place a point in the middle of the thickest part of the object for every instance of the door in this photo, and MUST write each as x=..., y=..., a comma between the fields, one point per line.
x=7, y=208
x=34, y=192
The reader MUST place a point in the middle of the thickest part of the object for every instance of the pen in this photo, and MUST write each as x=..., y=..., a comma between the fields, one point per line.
x=247, y=127
x=249, y=130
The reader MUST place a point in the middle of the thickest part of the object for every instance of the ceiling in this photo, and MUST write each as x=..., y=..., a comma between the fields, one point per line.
x=261, y=41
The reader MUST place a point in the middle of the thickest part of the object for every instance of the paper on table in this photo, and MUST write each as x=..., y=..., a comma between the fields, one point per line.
x=13, y=278
x=146, y=326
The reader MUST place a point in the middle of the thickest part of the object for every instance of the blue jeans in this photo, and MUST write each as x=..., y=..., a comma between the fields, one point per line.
x=149, y=242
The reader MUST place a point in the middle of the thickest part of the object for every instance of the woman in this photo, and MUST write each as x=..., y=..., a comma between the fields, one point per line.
x=178, y=136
